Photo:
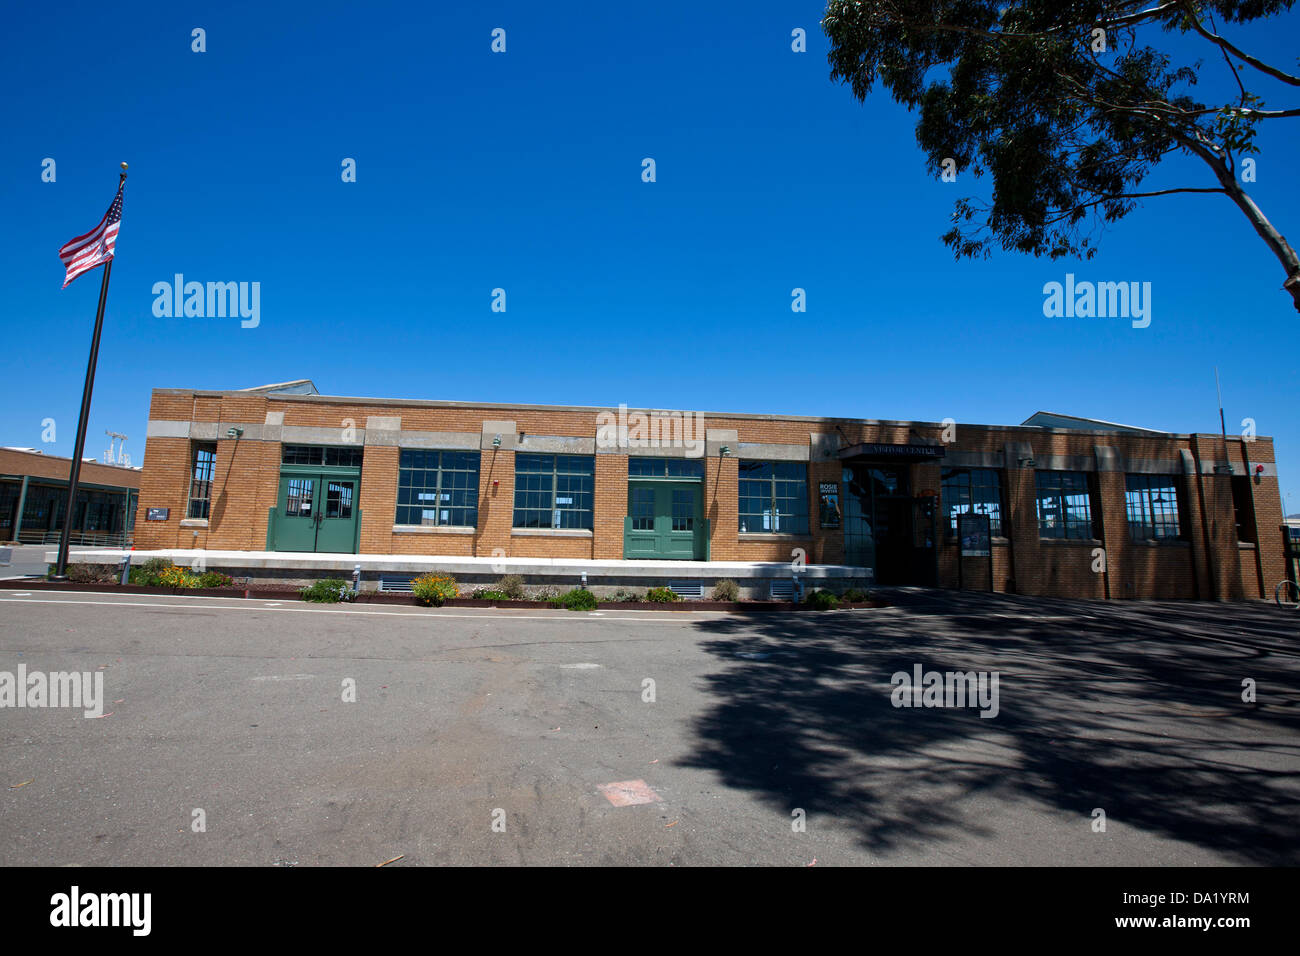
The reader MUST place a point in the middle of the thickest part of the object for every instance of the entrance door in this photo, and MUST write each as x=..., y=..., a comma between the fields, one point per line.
x=663, y=521
x=316, y=512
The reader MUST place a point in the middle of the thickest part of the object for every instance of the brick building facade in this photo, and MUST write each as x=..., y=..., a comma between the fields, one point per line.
x=1076, y=508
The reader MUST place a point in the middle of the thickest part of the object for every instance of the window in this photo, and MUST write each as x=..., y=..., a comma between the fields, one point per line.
x=321, y=455
x=972, y=491
x=1064, y=505
x=773, y=497
x=438, y=488
x=665, y=468
x=205, y=461
x=1243, y=508
x=554, y=491
x=1151, y=503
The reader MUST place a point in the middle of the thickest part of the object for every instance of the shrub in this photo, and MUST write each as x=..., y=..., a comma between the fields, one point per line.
x=178, y=577
x=329, y=591
x=546, y=594
x=579, y=599
x=512, y=586
x=215, y=579
x=623, y=595
x=156, y=566
x=433, y=590
x=822, y=601
x=726, y=590
x=662, y=595
x=854, y=595
x=150, y=573
x=94, y=573
x=490, y=594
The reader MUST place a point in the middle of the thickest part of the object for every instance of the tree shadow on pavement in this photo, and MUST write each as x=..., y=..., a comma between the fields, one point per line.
x=1133, y=707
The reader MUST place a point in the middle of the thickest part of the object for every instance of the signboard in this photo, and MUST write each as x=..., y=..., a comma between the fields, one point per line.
x=973, y=530
x=828, y=493
x=876, y=450
x=157, y=514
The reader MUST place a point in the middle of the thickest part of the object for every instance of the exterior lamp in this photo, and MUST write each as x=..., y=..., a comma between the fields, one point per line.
x=234, y=432
x=725, y=451
x=496, y=442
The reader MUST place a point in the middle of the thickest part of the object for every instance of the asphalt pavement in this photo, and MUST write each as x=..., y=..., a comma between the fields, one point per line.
x=276, y=733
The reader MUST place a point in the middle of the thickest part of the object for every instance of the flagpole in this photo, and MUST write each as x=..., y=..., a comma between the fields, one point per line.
x=74, y=473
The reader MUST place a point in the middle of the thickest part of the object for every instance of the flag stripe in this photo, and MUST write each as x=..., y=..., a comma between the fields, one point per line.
x=96, y=247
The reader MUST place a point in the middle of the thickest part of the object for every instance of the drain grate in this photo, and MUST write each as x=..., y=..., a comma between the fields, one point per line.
x=395, y=584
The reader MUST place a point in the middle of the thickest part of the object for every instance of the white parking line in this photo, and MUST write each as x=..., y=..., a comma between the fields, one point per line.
x=413, y=612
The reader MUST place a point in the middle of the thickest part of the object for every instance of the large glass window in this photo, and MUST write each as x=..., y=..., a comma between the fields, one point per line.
x=437, y=488
x=773, y=497
x=1064, y=504
x=972, y=491
x=1151, y=503
x=554, y=491
x=205, y=460
x=321, y=455
x=665, y=468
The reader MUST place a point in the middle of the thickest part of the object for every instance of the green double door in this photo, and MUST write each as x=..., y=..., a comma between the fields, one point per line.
x=317, y=511
x=664, y=521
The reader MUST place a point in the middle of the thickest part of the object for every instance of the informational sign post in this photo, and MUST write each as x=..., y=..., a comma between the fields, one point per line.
x=828, y=492
x=975, y=541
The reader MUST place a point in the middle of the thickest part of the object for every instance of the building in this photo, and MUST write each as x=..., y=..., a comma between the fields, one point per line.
x=1074, y=507
x=34, y=499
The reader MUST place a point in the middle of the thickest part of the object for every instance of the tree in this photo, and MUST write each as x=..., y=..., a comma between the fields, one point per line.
x=1066, y=105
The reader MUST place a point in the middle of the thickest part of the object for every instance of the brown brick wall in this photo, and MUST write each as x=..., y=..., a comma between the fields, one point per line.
x=1208, y=564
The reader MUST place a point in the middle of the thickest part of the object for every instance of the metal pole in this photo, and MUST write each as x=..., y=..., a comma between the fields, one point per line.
x=1223, y=426
x=74, y=473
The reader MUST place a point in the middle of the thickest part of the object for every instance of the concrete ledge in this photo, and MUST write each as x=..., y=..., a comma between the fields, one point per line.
x=459, y=564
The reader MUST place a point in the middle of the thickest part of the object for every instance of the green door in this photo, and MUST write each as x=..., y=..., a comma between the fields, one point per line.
x=663, y=521
x=316, y=512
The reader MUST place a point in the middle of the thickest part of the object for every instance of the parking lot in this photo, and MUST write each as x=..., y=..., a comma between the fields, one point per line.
x=493, y=736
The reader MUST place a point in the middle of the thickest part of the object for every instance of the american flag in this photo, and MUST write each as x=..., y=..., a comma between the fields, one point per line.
x=95, y=247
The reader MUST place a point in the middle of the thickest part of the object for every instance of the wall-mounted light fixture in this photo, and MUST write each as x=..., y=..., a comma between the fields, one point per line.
x=234, y=431
x=1026, y=462
x=725, y=451
x=496, y=442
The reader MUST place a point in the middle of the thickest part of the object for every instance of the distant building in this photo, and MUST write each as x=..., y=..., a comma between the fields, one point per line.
x=34, y=498
x=1075, y=507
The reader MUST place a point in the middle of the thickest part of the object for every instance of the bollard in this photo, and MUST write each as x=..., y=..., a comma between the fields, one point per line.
x=126, y=570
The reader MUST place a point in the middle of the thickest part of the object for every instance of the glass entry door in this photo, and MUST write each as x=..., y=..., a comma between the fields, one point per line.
x=663, y=521
x=316, y=512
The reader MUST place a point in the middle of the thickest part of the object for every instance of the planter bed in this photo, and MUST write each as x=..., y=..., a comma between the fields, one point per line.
x=376, y=597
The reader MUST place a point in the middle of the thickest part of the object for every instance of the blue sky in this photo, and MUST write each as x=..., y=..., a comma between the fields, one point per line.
x=522, y=171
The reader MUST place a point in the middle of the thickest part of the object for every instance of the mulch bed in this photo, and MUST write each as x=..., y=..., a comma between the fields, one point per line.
x=374, y=597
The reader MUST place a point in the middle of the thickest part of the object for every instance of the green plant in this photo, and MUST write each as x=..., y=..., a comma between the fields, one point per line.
x=629, y=596
x=178, y=577
x=328, y=591
x=546, y=594
x=854, y=595
x=433, y=590
x=215, y=579
x=662, y=595
x=150, y=573
x=156, y=566
x=822, y=601
x=726, y=590
x=490, y=594
x=579, y=599
x=512, y=586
